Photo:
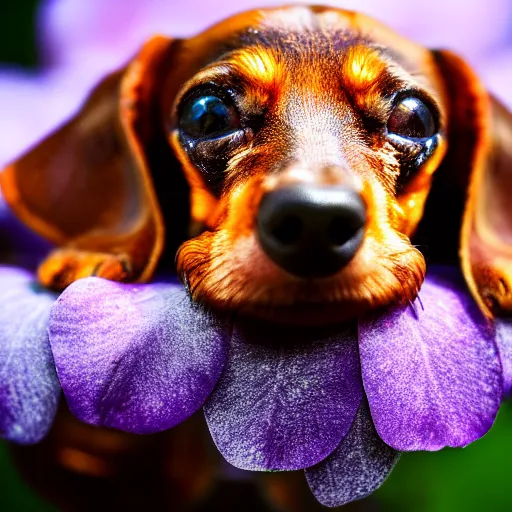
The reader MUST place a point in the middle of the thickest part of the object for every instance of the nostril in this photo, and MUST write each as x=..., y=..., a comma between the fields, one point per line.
x=340, y=231
x=289, y=230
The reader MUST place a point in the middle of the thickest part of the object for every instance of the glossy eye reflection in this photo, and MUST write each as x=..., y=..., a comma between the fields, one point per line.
x=412, y=118
x=208, y=117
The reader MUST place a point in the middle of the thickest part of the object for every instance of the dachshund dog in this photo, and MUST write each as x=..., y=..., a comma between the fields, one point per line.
x=289, y=155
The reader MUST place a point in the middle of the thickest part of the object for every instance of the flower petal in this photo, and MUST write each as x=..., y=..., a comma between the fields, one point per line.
x=29, y=388
x=504, y=340
x=141, y=358
x=286, y=398
x=356, y=468
x=431, y=372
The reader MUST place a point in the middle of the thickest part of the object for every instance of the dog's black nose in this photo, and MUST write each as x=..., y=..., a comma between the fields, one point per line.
x=311, y=231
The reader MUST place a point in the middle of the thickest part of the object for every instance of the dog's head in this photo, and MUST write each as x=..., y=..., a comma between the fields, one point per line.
x=309, y=138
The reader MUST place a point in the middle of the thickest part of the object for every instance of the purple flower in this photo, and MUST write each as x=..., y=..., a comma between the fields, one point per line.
x=29, y=388
x=504, y=342
x=340, y=402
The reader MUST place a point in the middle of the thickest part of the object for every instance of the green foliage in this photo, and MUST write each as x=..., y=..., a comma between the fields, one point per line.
x=474, y=478
x=15, y=495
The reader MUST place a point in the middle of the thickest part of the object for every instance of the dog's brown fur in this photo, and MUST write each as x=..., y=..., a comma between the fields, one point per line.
x=317, y=86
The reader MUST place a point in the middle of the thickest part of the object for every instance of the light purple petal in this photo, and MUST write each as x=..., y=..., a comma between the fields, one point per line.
x=286, y=398
x=141, y=358
x=431, y=372
x=29, y=388
x=357, y=467
x=504, y=340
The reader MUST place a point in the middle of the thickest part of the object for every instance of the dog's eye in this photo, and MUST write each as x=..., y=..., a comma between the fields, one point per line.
x=412, y=128
x=207, y=117
x=413, y=119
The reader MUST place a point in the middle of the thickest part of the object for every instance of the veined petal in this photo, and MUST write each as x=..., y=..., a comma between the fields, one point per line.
x=356, y=468
x=286, y=398
x=141, y=358
x=29, y=388
x=504, y=340
x=431, y=371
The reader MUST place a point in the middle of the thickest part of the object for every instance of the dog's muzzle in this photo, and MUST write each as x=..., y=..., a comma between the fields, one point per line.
x=311, y=231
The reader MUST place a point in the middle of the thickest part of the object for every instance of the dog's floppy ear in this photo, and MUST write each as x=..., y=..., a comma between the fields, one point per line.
x=88, y=185
x=480, y=160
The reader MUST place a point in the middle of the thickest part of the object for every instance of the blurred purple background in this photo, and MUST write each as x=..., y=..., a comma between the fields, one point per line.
x=81, y=40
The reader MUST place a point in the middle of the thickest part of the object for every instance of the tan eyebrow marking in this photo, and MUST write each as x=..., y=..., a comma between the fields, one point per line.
x=362, y=67
x=366, y=74
x=259, y=65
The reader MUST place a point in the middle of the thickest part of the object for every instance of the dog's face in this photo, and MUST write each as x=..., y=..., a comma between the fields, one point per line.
x=309, y=137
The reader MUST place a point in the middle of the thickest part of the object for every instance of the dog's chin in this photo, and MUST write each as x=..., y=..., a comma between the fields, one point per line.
x=248, y=283
x=313, y=304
